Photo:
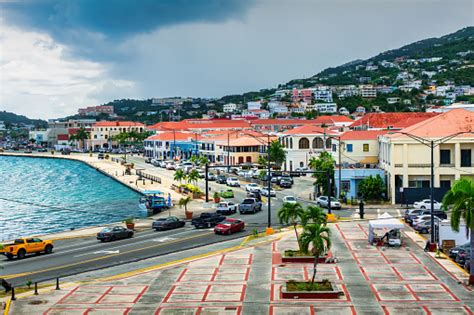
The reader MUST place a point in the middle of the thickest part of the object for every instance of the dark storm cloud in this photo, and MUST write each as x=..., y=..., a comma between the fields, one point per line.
x=90, y=24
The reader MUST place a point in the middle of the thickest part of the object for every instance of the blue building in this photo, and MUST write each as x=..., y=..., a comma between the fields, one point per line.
x=351, y=177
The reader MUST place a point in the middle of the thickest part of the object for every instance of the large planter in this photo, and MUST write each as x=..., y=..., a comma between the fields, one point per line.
x=334, y=293
x=303, y=259
x=189, y=215
x=217, y=200
x=130, y=226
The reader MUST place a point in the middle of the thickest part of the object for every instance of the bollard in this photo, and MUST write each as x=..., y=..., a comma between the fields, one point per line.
x=57, y=284
x=361, y=209
x=13, y=294
x=309, y=196
x=36, y=288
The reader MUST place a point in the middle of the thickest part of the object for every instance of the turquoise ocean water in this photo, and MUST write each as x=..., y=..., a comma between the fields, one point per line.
x=72, y=195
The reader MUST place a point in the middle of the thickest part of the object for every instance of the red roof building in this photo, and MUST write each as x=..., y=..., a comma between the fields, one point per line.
x=390, y=120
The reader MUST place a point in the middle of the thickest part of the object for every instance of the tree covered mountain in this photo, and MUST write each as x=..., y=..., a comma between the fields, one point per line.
x=13, y=119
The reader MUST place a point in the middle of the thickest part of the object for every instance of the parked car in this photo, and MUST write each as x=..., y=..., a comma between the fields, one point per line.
x=221, y=179
x=233, y=182
x=284, y=183
x=167, y=223
x=148, y=160
x=170, y=166
x=227, y=208
x=250, y=205
x=162, y=164
x=322, y=201
x=252, y=187
x=211, y=177
x=426, y=204
x=289, y=199
x=422, y=227
x=467, y=264
x=411, y=214
x=227, y=193
x=440, y=215
x=42, y=150
x=114, y=233
x=453, y=252
x=264, y=192
x=229, y=226
x=302, y=170
x=285, y=177
x=207, y=219
x=424, y=217
x=101, y=156
x=462, y=256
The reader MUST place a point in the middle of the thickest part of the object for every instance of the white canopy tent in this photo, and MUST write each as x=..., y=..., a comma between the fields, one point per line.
x=385, y=221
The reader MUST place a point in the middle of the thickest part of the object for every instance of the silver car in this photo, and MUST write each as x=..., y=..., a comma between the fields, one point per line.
x=322, y=201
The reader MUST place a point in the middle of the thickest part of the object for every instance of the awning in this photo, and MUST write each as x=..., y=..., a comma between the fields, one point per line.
x=385, y=221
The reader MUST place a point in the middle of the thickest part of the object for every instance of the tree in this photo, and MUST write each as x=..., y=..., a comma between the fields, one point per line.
x=81, y=135
x=183, y=202
x=461, y=198
x=193, y=176
x=289, y=214
x=179, y=176
x=277, y=153
x=314, y=215
x=203, y=160
x=320, y=237
x=194, y=159
x=372, y=188
x=324, y=166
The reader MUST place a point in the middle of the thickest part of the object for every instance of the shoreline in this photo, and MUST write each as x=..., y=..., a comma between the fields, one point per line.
x=86, y=231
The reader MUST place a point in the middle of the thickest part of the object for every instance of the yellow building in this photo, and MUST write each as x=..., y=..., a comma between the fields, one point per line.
x=408, y=162
x=103, y=132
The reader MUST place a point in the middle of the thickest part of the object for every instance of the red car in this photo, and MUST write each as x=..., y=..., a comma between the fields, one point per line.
x=229, y=226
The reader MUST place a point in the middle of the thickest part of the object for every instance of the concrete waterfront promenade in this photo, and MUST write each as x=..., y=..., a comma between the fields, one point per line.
x=229, y=278
x=117, y=172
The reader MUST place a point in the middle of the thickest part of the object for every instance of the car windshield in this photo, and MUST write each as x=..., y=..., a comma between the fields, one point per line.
x=223, y=204
x=225, y=222
x=290, y=198
x=161, y=219
x=247, y=201
x=106, y=230
x=19, y=241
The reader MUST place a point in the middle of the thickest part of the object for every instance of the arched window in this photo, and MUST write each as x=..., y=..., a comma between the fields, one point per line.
x=328, y=143
x=304, y=143
x=318, y=143
x=286, y=142
x=301, y=164
x=291, y=143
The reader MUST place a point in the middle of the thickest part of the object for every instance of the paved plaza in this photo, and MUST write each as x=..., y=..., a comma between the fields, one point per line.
x=374, y=280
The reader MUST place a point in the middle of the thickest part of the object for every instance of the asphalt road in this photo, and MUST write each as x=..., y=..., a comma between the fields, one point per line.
x=85, y=254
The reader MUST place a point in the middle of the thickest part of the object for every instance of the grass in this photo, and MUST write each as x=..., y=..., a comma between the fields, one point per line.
x=324, y=285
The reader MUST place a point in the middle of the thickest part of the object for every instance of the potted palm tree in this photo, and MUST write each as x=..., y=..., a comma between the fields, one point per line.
x=130, y=223
x=183, y=202
x=179, y=176
x=217, y=197
x=289, y=214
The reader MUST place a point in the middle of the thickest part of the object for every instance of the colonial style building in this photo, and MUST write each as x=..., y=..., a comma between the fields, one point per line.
x=102, y=132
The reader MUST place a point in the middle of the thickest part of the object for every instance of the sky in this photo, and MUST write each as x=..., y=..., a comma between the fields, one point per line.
x=59, y=55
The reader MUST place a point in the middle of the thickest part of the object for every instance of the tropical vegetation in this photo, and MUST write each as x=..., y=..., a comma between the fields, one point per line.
x=372, y=188
x=289, y=214
x=324, y=168
x=460, y=199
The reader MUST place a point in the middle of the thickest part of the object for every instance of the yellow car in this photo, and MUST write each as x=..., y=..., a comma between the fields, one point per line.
x=24, y=246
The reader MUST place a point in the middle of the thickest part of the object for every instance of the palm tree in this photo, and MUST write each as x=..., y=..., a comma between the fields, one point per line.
x=179, y=175
x=315, y=215
x=193, y=177
x=183, y=202
x=194, y=159
x=203, y=160
x=461, y=198
x=320, y=237
x=81, y=135
x=289, y=213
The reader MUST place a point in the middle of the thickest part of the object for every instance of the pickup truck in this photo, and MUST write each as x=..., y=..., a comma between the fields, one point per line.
x=207, y=219
x=250, y=205
x=23, y=246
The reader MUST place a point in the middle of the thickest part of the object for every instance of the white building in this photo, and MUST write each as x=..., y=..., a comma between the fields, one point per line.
x=323, y=107
x=229, y=108
x=393, y=100
x=2, y=126
x=368, y=91
x=322, y=94
x=344, y=111
x=254, y=105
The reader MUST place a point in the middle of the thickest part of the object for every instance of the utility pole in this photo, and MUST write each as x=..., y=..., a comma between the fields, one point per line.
x=228, y=152
x=432, y=192
x=174, y=144
x=269, y=186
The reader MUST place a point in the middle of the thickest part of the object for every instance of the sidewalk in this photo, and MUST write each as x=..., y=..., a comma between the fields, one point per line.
x=249, y=280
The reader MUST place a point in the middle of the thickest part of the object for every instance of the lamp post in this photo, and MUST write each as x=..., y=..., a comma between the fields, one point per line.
x=431, y=144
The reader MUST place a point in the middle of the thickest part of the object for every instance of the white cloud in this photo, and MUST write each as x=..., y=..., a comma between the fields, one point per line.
x=39, y=81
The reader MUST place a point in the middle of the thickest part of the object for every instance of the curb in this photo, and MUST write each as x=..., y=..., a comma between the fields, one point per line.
x=7, y=307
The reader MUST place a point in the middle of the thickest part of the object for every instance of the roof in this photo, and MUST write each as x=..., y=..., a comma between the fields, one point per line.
x=391, y=120
x=308, y=130
x=171, y=136
x=118, y=124
x=363, y=134
x=282, y=122
x=248, y=141
x=442, y=125
x=201, y=124
x=63, y=137
x=327, y=119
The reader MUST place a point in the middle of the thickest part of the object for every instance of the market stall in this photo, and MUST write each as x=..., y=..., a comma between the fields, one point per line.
x=386, y=222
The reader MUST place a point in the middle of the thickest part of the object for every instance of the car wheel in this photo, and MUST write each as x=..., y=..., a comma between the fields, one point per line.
x=9, y=256
x=130, y=235
x=48, y=249
x=112, y=238
x=208, y=224
x=229, y=232
x=422, y=207
x=21, y=254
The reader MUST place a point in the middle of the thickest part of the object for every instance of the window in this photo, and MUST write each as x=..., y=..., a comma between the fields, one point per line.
x=445, y=183
x=318, y=143
x=346, y=185
x=349, y=147
x=445, y=156
x=291, y=143
x=466, y=158
x=365, y=147
x=328, y=143
x=301, y=164
x=419, y=184
x=304, y=143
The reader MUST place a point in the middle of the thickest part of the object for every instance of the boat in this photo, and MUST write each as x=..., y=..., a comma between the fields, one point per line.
x=153, y=201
